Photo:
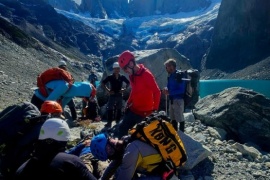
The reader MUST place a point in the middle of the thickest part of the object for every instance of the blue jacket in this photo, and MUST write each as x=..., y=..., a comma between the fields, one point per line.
x=79, y=150
x=58, y=89
x=176, y=89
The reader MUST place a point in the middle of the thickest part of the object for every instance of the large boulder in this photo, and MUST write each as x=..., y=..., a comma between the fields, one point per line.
x=154, y=61
x=243, y=113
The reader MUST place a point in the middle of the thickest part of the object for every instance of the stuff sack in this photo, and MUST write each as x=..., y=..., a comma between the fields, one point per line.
x=160, y=133
x=50, y=75
x=19, y=128
x=191, y=78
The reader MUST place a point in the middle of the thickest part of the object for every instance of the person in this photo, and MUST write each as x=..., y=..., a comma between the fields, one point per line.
x=83, y=150
x=71, y=103
x=116, y=93
x=128, y=158
x=92, y=78
x=49, y=160
x=19, y=149
x=61, y=93
x=52, y=108
x=175, y=89
x=145, y=94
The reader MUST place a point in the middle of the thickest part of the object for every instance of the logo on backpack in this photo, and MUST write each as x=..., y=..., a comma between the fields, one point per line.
x=50, y=75
x=163, y=137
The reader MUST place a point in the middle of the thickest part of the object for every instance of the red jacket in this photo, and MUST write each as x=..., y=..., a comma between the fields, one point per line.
x=145, y=93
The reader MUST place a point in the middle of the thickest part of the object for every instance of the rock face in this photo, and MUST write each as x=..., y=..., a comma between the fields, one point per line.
x=154, y=61
x=241, y=35
x=123, y=8
x=242, y=113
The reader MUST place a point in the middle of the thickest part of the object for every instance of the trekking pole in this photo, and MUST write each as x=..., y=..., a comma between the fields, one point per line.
x=166, y=104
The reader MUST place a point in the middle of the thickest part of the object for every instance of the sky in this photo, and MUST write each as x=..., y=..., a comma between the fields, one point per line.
x=149, y=28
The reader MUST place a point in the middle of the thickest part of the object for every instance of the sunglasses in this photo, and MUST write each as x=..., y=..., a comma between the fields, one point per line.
x=127, y=66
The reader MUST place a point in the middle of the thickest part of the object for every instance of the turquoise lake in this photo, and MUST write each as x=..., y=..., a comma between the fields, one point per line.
x=208, y=87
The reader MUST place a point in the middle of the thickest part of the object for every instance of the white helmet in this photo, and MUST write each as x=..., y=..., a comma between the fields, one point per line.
x=62, y=63
x=55, y=128
x=116, y=65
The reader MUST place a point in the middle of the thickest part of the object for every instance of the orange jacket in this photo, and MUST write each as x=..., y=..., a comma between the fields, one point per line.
x=145, y=93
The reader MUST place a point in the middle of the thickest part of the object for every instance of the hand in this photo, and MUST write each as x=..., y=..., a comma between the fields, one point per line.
x=122, y=90
x=87, y=142
x=165, y=91
x=111, y=92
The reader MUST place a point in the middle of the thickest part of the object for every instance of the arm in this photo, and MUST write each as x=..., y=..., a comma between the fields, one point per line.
x=152, y=84
x=111, y=169
x=104, y=82
x=76, y=150
x=130, y=161
x=59, y=87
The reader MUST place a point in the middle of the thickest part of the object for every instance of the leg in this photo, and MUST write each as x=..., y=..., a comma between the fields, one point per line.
x=129, y=120
x=118, y=108
x=182, y=126
x=179, y=112
x=73, y=112
x=36, y=101
x=110, y=107
x=109, y=118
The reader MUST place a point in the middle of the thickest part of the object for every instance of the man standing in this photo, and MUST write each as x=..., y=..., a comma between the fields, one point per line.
x=116, y=93
x=175, y=89
x=92, y=78
x=145, y=94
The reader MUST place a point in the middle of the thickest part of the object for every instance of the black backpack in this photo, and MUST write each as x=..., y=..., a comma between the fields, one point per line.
x=192, y=78
x=19, y=130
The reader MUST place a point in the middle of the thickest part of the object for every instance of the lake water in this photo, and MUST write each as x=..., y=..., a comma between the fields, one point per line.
x=208, y=87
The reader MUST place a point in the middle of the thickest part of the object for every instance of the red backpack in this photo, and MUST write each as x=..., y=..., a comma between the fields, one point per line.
x=53, y=74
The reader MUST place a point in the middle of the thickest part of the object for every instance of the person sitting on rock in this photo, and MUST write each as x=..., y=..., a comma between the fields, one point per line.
x=128, y=158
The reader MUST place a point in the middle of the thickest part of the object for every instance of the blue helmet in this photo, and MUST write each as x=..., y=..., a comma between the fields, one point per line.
x=98, y=146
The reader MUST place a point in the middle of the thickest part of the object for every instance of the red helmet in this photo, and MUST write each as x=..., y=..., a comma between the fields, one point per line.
x=125, y=58
x=51, y=107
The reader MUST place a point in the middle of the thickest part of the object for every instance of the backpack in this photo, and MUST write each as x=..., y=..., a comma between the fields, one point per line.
x=191, y=77
x=158, y=132
x=52, y=74
x=19, y=129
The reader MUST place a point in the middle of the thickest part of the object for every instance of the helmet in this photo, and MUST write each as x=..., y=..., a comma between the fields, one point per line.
x=98, y=146
x=55, y=128
x=125, y=58
x=51, y=107
x=116, y=65
x=62, y=63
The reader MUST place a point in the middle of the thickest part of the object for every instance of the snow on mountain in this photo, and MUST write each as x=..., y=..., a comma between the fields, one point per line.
x=149, y=27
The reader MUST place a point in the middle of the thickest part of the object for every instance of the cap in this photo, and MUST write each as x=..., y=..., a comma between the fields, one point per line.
x=62, y=63
x=116, y=65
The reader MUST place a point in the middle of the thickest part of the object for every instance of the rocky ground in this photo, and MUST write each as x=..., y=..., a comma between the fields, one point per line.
x=18, y=70
x=227, y=160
